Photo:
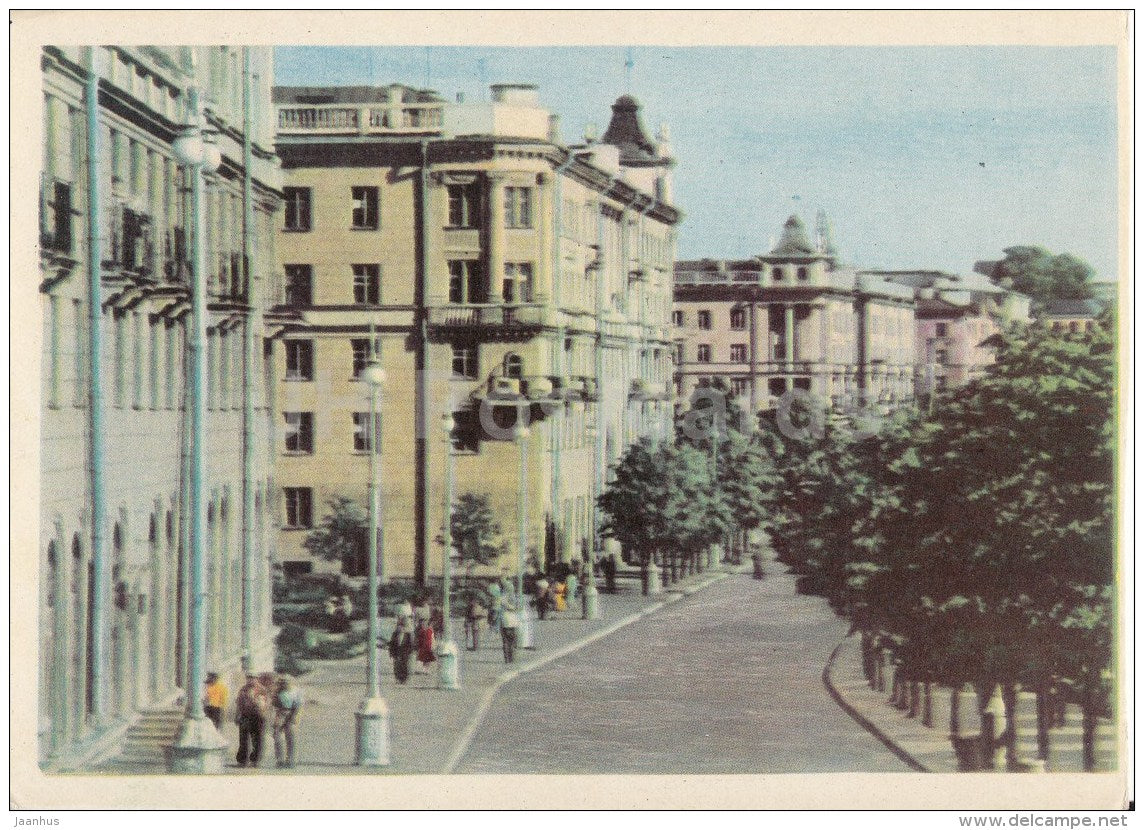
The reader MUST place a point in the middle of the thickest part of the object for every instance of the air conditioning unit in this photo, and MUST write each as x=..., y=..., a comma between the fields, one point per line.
x=505, y=386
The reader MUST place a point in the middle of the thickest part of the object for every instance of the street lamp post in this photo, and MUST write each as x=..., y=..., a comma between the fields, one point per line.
x=591, y=595
x=198, y=748
x=521, y=434
x=447, y=654
x=713, y=552
x=371, y=737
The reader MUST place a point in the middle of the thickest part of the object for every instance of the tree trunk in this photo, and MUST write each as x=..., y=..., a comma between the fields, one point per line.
x=914, y=698
x=1043, y=716
x=927, y=704
x=1009, y=697
x=955, y=710
x=1088, y=731
x=880, y=670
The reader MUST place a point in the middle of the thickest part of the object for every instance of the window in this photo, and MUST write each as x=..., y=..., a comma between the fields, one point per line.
x=777, y=387
x=777, y=274
x=940, y=356
x=738, y=353
x=299, y=507
x=299, y=431
x=299, y=285
x=740, y=386
x=57, y=220
x=299, y=360
x=704, y=319
x=677, y=318
x=465, y=361
x=466, y=436
x=940, y=329
x=464, y=205
x=802, y=383
x=297, y=208
x=513, y=366
x=517, y=282
x=518, y=207
x=803, y=274
x=703, y=353
x=364, y=208
x=367, y=284
x=465, y=281
x=362, y=353
x=738, y=319
x=361, y=430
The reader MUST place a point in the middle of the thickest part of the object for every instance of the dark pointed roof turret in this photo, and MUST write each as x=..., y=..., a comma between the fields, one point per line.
x=626, y=132
x=794, y=241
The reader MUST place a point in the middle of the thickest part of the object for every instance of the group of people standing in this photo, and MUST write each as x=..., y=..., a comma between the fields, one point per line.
x=414, y=636
x=263, y=699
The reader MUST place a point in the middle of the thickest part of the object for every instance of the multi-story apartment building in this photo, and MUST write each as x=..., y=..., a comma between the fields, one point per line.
x=1071, y=315
x=112, y=419
x=490, y=263
x=956, y=315
x=793, y=319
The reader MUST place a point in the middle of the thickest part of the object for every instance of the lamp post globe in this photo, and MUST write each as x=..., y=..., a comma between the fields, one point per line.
x=188, y=147
x=374, y=375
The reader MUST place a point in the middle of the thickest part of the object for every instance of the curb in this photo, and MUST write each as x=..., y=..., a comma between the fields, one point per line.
x=478, y=717
x=905, y=757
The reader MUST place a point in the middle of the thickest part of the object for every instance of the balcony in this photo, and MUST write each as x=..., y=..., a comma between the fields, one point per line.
x=359, y=119
x=491, y=320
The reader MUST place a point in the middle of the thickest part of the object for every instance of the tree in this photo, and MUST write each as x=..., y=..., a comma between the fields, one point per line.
x=342, y=536
x=476, y=533
x=1043, y=276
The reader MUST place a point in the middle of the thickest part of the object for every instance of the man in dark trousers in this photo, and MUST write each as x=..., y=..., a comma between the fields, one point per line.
x=251, y=707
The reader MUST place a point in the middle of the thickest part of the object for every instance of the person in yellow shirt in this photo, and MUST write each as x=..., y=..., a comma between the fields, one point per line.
x=214, y=699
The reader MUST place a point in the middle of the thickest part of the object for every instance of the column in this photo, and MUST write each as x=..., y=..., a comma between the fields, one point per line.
x=788, y=335
x=546, y=238
x=495, y=274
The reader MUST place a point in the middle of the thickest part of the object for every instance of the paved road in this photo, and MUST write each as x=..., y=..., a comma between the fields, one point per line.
x=727, y=681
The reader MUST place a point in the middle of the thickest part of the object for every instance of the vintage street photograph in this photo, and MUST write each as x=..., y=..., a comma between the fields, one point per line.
x=431, y=402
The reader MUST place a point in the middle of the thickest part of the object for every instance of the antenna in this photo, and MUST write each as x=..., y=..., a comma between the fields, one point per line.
x=629, y=64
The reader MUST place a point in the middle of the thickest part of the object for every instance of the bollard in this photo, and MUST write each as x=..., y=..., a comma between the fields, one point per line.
x=994, y=725
x=449, y=669
x=654, y=585
x=372, y=733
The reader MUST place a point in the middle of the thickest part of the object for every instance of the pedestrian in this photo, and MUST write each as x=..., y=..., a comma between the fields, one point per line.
x=251, y=708
x=757, y=561
x=608, y=565
x=559, y=592
x=424, y=640
x=214, y=699
x=496, y=602
x=401, y=649
x=542, y=598
x=510, y=622
x=287, y=705
x=474, y=614
x=572, y=582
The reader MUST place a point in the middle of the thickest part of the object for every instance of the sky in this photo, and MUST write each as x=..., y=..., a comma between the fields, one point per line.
x=923, y=157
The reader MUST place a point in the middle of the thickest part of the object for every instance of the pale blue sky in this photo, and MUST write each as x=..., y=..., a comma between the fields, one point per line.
x=929, y=157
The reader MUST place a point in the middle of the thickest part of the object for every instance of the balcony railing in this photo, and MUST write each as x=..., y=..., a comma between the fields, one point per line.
x=489, y=315
x=362, y=119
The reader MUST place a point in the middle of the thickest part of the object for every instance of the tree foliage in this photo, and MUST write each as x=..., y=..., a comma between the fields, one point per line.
x=1043, y=276
x=476, y=535
x=341, y=535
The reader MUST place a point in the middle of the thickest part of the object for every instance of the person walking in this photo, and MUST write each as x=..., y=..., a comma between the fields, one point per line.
x=251, y=708
x=572, y=582
x=287, y=705
x=214, y=699
x=608, y=566
x=474, y=614
x=510, y=622
x=423, y=637
x=401, y=649
x=542, y=598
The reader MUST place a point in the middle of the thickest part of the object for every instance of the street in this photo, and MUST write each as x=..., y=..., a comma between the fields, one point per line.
x=726, y=681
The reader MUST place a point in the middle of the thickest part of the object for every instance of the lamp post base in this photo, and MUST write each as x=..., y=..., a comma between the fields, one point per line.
x=371, y=738
x=654, y=585
x=591, y=602
x=449, y=664
x=198, y=750
x=525, y=632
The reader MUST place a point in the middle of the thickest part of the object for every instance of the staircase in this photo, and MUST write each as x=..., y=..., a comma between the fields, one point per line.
x=144, y=745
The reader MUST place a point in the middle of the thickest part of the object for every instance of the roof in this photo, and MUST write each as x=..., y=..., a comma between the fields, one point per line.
x=794, y=240
x=318, y=95
x=626, y=132
x=1072, y=308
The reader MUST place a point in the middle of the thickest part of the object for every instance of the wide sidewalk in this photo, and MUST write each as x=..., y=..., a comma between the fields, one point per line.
x=929, y=749
x=429, y=725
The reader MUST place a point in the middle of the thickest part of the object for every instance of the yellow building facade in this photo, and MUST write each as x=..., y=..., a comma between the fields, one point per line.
x=490, y=261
